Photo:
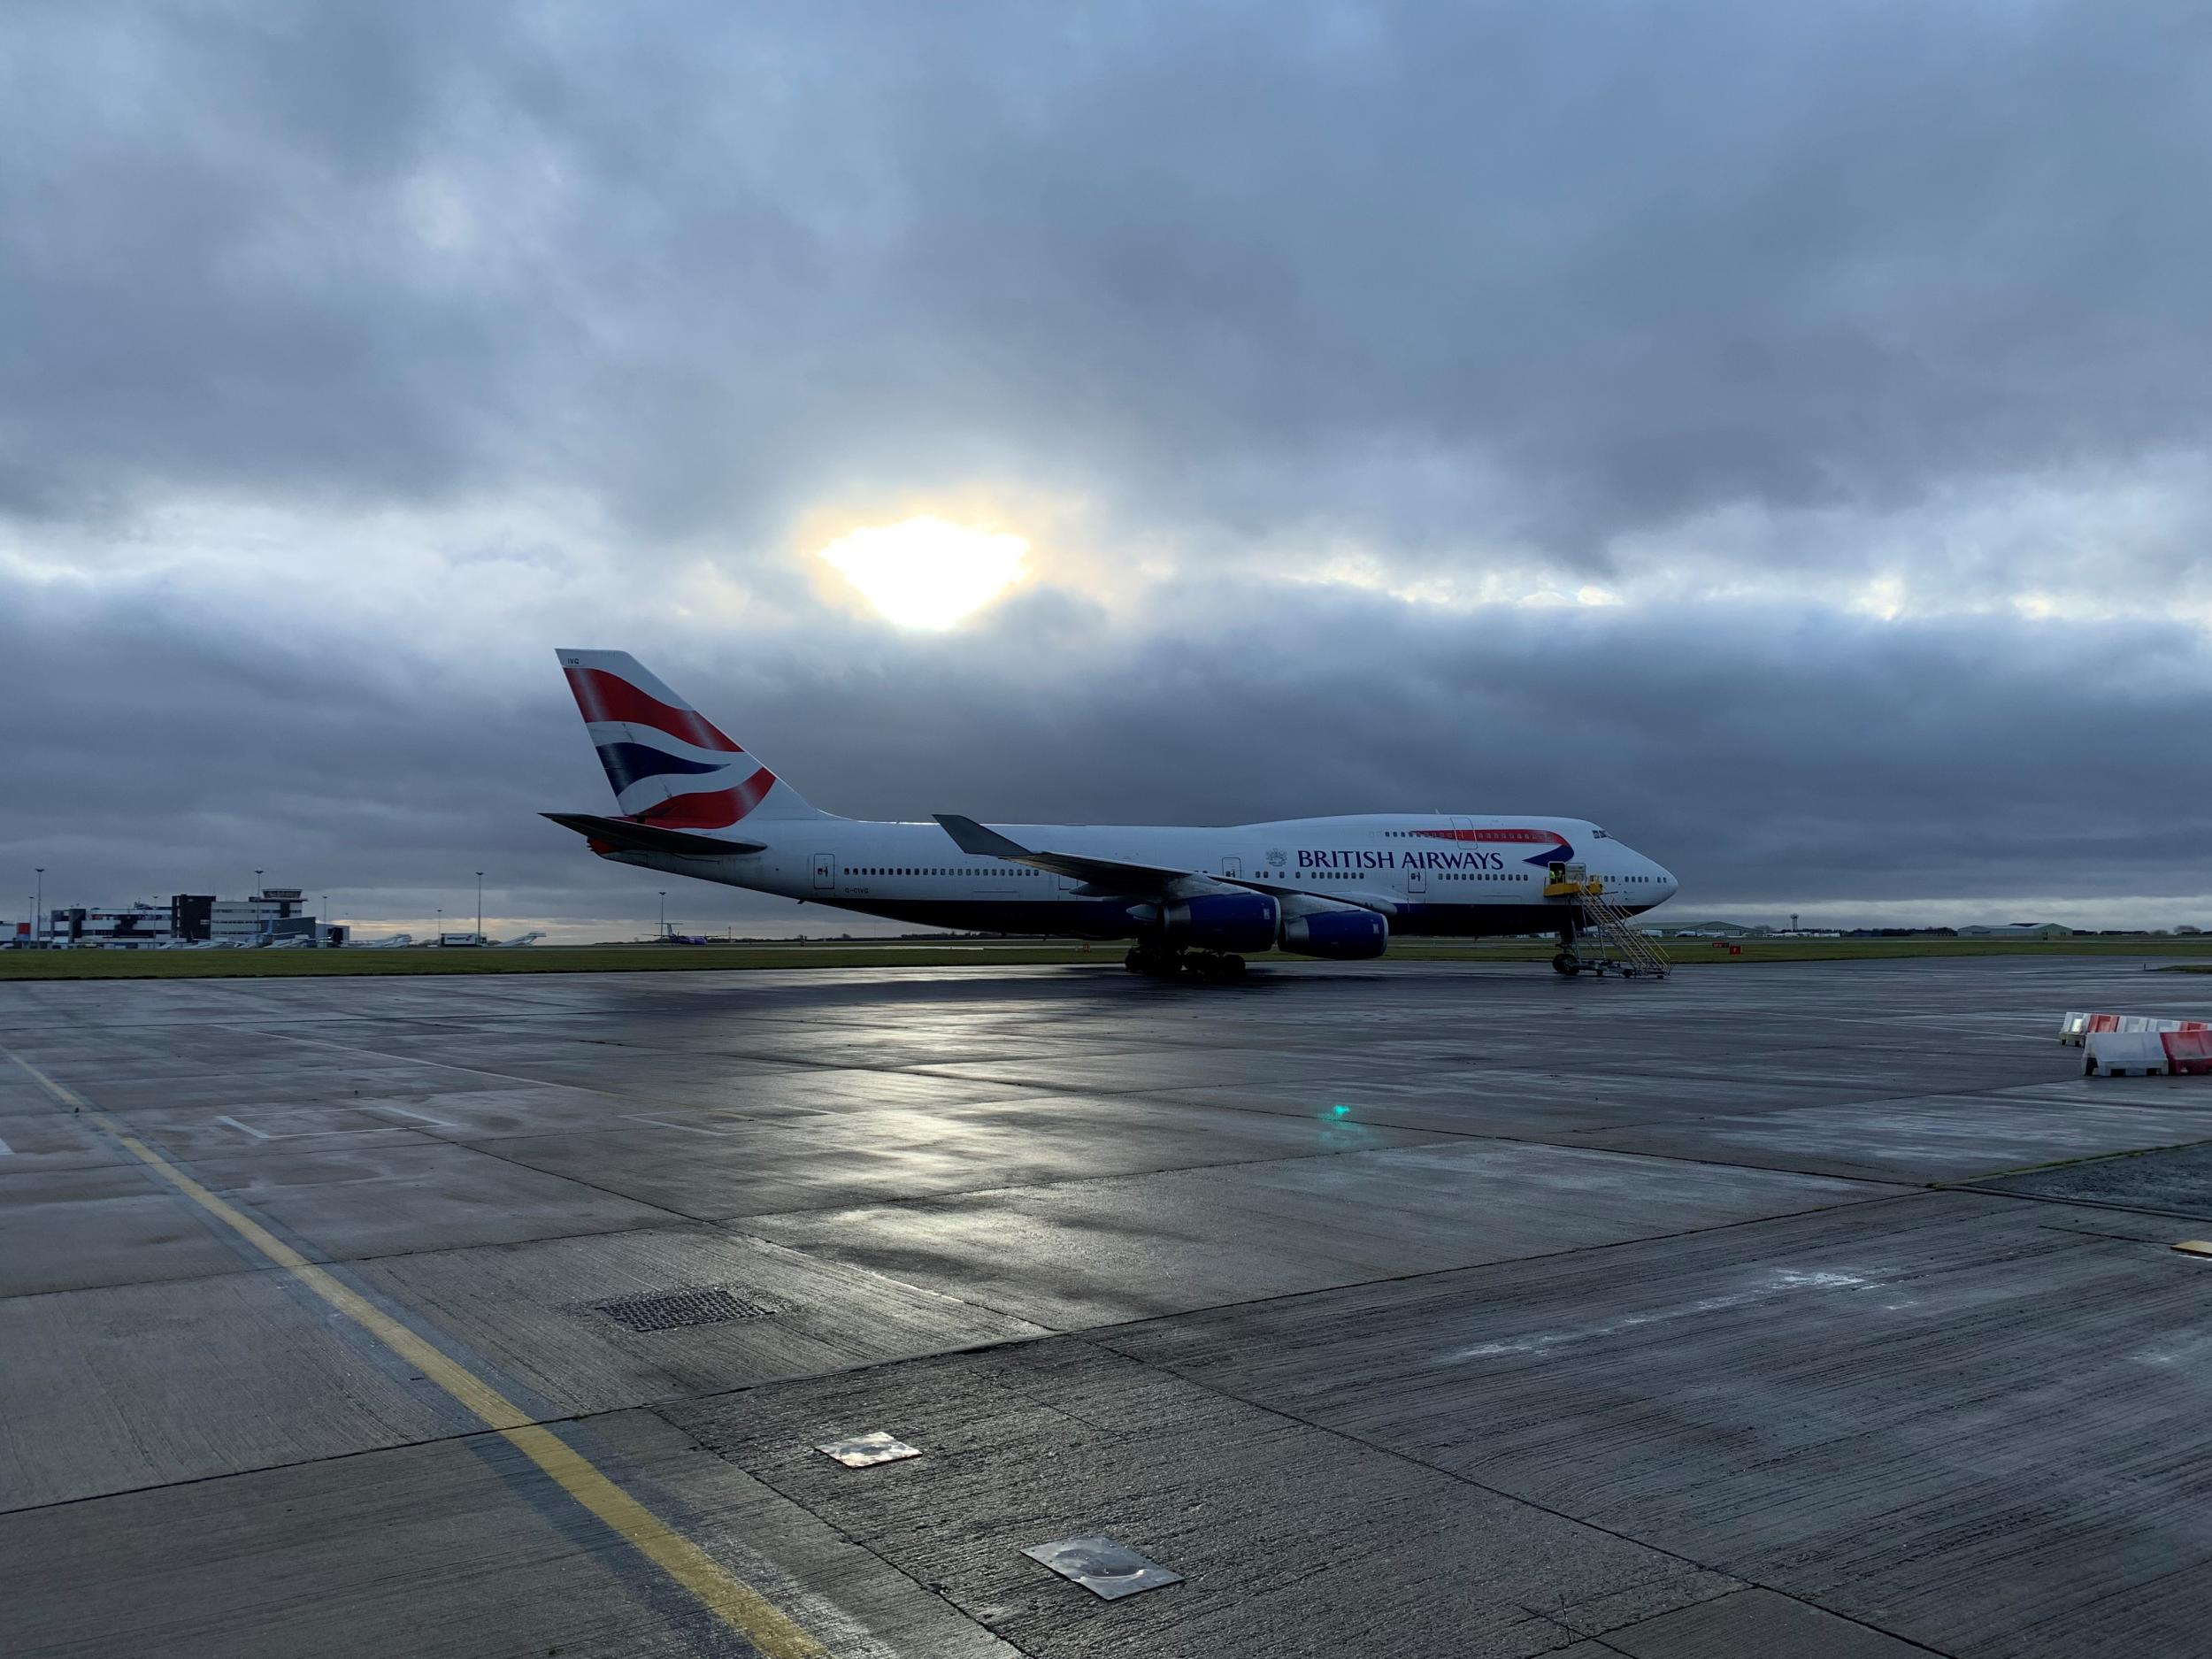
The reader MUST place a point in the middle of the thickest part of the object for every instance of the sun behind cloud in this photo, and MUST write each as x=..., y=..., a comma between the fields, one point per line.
x=927, y=572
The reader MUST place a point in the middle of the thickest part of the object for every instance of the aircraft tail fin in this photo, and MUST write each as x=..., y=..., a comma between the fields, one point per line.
x=668, y=765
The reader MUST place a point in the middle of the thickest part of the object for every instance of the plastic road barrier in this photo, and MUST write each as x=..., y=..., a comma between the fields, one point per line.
x=2075, y=1027
x=2124, y=1054
x=2188, y=1053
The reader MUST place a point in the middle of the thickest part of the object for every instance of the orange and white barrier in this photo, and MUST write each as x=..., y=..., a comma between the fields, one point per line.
x=2076, y=1028
x=2188, y=1052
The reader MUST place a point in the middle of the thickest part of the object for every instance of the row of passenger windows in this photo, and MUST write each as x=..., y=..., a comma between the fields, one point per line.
x=1441, y=875
x=1399, y=835
x=910, y=869
x=1317, y=875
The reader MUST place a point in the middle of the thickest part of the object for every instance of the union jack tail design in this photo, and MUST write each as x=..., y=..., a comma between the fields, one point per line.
x=669, y=765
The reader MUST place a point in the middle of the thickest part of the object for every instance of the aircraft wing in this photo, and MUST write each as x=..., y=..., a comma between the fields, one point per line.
x=1113, y=875
x=650, y=838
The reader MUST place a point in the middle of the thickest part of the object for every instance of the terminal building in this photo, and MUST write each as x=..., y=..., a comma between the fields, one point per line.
x=190, y=918
x=131, y=925
x=273, y=913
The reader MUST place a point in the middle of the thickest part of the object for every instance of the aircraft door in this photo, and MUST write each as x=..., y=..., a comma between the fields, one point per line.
x=1232, y=868
x=1463, y=842
x=826, y=872
x=1417, y=882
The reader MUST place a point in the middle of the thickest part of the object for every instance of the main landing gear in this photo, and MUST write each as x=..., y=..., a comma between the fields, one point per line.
x=1165, y=963
x=1567, y=962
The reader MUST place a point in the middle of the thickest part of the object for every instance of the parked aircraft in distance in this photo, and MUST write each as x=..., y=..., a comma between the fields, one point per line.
x=397, y=941
x=692, y=803
x=518, y=941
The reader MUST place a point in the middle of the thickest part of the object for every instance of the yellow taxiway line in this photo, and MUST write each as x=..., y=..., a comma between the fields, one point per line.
x=736, y=1603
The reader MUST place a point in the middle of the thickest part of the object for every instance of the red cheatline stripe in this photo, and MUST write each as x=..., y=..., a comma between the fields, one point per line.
x=709, y=809
x=1528, y=835
x=605, y=696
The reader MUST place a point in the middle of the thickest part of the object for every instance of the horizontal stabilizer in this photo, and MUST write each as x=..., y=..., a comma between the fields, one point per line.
x=650, y=838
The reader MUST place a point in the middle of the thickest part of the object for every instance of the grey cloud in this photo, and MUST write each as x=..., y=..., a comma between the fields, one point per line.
x=1639, y=261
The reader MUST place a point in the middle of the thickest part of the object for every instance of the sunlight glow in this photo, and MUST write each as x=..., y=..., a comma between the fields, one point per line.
x=926, y=574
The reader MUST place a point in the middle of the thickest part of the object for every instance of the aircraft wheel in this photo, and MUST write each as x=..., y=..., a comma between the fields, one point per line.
x=1565, y=962
x=1136, y=962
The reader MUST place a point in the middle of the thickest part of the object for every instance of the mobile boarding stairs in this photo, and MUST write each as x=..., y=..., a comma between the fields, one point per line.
x=1623, y=948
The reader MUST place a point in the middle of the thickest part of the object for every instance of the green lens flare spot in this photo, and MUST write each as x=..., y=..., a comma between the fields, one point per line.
x=1340, y=1111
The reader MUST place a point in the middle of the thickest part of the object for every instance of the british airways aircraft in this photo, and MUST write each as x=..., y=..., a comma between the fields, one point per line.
x=691, y=802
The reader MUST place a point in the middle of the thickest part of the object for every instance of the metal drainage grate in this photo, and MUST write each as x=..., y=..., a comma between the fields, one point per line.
x=713, y=1305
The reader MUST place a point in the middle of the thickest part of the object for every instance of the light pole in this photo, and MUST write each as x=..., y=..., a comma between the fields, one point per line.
x=325, y=924
x=38, y=908
x=664, y=893
x=480, y=907
x=258, y=916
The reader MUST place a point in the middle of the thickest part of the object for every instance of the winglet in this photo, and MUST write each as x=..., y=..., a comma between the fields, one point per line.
x=971, y=837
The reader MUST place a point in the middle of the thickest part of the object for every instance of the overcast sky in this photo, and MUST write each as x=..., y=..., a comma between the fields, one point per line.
x=1776, y=431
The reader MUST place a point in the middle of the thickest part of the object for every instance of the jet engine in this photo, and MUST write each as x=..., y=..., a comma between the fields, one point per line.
x=1222, y=921
x=1343, y=935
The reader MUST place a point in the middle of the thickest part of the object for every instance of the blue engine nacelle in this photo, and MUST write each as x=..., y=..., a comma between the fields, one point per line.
x=1224, y=921
x=1341, y=935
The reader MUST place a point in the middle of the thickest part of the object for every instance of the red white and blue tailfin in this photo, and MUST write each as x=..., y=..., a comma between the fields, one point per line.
x=668, y=764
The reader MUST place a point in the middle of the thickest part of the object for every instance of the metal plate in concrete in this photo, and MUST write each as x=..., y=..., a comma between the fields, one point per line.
x=1109, y=1569
x=865, y=1451
x=1098, y=1252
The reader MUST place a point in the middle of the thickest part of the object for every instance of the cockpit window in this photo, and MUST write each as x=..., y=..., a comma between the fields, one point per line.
x=1599, y=835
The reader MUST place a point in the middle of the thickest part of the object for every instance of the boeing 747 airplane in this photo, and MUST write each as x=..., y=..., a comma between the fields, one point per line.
x=691, y=802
